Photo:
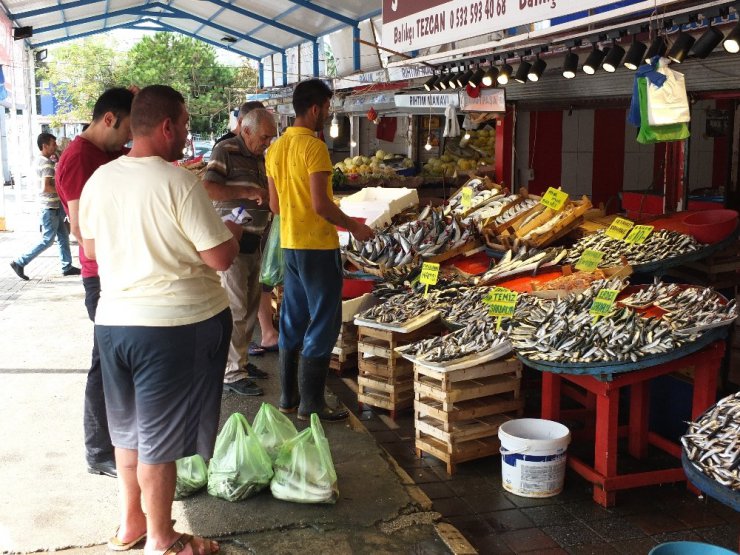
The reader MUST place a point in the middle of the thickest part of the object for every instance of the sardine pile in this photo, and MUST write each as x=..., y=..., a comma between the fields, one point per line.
x=470, y=340
x=565, y=214
x=481, y=194
x=697, y=307
x=493, y=207
x=659, y=245
x=564, y=331
x=397, y=309
x=712, y=443
x=650, y=295
x=515, y=210
x=465, y=307
x=523, y=260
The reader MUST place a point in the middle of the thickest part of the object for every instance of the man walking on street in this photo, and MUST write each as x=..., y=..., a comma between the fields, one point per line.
x=99, y=144
x=299, y=179
x=236, y=181
x=163, y=321
x=52, y=215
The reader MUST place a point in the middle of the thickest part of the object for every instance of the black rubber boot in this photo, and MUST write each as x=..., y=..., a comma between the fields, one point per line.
x=312, y=374
x=288, y=364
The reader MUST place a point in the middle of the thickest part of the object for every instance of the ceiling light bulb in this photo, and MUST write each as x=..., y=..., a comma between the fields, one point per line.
x=537, y=69
x=353, y=143
x=428, y=146
x=732, y=41
x=504, y=74
x=570, y=65
x=334, y=128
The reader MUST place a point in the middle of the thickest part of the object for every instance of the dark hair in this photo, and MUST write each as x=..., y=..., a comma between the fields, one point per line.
x=249, y=106
x=313, y=92
x=153, y=105
x=44, y=139
x=117, y=100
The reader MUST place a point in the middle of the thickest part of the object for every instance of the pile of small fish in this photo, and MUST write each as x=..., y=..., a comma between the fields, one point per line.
x=399, y=246
x=493, y=207
x=564, y=331
x=461, y=305
x=481, y=194
x=513, y=211
x=472, y=339
x=712, y=443
x=659, y=245
x=650, y=295
x=398, y=309
x=523, y=260
x=567, y=214
x=697, y=307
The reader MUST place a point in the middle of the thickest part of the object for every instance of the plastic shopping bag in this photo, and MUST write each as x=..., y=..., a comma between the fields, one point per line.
x=240, y=466
x=192, y=476
x=657, y=133
x=273, y=429
x=304, y=470
x=668, y=103
x=272, y=259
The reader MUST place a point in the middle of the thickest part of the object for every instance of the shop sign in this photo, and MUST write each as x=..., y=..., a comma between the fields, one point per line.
x=426, y=100
x=603, y=303
x=489, y=100
x=501, y=304
x=413, y=24
x=639, y=233
x=467, y=197
x=619, y=229
x=590, y=260
x=429, y=275
x=554, y=199
x=390, y=75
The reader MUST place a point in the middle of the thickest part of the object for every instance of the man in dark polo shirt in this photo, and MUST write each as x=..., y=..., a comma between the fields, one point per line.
x=236, y=182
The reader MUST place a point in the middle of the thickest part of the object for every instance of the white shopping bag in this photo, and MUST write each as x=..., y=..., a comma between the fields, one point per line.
x=669, y=103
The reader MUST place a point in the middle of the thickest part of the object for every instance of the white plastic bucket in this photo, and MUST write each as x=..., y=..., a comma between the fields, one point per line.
x=533, y=455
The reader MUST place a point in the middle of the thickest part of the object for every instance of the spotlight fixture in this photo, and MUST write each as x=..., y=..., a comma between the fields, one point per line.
x=334, y=127
x=537, y=69
x=635, y=55
x=522, y=72
x=657, y=48
x=452, y=82
x=442, y=83
x=732, y=41
x=465, y=78
x=477, y=77
x=681, y=47
x=707, y=42
x=504, y=74
x=429, y=85
x=613, y=58
x=570, y=65
x=594, y=60
x=490, y=76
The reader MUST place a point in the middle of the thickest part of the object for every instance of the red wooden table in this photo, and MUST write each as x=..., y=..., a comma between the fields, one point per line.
x=603, y=474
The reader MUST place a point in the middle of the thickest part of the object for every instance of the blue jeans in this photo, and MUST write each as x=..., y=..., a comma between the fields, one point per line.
x=52, y=222
x=311, y=312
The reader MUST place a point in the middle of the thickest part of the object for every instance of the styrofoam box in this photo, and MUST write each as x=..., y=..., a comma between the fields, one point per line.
x=379, y=204
x=351, y=307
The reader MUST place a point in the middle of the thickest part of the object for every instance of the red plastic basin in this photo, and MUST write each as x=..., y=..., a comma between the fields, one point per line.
x=711, y=226
x=353, y=288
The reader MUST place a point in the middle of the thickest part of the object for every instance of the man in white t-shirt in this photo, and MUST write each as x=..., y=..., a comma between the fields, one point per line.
x=163, y=321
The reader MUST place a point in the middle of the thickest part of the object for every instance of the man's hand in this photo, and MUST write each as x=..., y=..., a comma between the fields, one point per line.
x=257, y=194
x=361, y=232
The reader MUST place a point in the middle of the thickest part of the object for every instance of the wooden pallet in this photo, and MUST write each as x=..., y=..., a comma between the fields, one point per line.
x=381, y=394
x=458, y=412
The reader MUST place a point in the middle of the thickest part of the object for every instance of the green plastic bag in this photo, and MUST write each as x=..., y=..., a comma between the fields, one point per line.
x=656, y=133
x=304, y=470
x=273, y=429
x=272, y=259
x=240, y=466
x=192, y=476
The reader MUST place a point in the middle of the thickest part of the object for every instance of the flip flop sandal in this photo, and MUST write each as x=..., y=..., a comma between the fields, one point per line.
x=114, y=544
x=270, y=348
x=182, y=542
x=256, y=350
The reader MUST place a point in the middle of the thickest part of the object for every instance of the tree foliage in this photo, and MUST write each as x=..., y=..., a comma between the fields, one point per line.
x=186, y=64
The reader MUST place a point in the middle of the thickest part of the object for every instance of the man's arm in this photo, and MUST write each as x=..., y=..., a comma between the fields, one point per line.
x=325, y=207
x=74, y=223
x=219, y=192
x=221, y=256
x=274, y=199
x=47, y=185
x=88, y=245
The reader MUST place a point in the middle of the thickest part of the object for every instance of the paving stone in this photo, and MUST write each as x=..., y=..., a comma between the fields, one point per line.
x=452, y=506
x=547, y=515
x=490, y=501
x=616, y=529
x=634, y=546
x=656, y=522
x=587, y=510
x=471, y=527
x=575, y=533
x=725, y=536
x=592, y=549
x=491, y=545
x=437, y=490
x=504, y=521
x=529, y=539
x=677, y=536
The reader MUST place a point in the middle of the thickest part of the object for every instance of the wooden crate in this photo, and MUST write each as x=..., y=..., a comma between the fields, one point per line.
x=458, y=412
x=384, y=395
x=344, y=353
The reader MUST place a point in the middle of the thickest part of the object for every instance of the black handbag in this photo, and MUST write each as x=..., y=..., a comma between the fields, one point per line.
x=249, y=243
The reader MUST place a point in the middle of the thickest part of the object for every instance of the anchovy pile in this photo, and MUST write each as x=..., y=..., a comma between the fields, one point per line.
x=481, y=194
x=565, y=331
x=475, y=338
x=659, y=245
x=523, y=260
x=697, y=307
x=650, y=295
x=397, y=309
x=466, y=307
x=712, y=443
x=515, y=210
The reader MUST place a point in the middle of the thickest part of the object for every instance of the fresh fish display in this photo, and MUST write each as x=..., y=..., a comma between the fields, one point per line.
x=697, y=307
x=513, y=211
x=523, y=260
x=475, y=338
x=398, y=309
x=481, y=194
x=712, y=443
x=659, y=245
x=494, y=207
x=650, y=295
x=565, y=331
x=466, y=307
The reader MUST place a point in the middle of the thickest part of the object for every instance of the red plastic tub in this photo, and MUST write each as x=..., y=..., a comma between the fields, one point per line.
x=710, y=226
x=353, y=288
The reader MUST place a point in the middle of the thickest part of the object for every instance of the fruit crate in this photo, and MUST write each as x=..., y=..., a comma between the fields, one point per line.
x=457, y=413
x=385, y=379
x=344, y=353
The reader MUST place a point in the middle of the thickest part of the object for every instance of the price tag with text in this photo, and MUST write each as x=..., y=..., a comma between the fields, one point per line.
x=429, y=275
x=619, y=228
x=638, y=234
x=590, y=260
x=467, y=197
x=603, y=302
x=501, y=304
x=554, y=198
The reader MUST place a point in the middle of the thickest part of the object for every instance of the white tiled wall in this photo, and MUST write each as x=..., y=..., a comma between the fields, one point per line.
x=578, y=152
x=638, y=162
x=701, y=147
x=522, y=150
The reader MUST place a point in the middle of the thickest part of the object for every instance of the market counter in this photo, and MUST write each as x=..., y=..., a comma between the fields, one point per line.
x=604, y=397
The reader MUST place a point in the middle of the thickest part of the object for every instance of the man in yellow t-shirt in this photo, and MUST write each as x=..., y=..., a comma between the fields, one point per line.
x=298, y=176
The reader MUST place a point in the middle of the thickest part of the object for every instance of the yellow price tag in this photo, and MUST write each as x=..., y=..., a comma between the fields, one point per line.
x=619, y=229
x=554, y=198
x=501, y=304
x=467, y=197
x=590, y=260
x=603, y=302
x=429, y=275
x=639, y=233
